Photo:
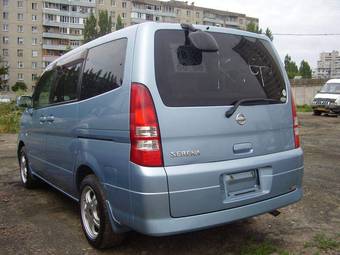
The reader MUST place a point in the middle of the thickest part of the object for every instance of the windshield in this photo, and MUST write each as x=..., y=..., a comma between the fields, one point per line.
x=332, y=88
x=244, y=67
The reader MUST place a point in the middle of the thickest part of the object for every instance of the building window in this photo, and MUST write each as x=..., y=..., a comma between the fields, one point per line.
x=20, y=64
x=34, y=29
x=20, y=4
x=5, y=52
x=5, y=15
x=178, y=11
x=20, y=29
x=123, y=4
x=34, y=41
x=20, y=53
x=34, y=76
x=113, y=15
x=5, y=40
x=197, y=14
x=34, y=53
x=20, y=76
x=34, y=65
x=5, y=27
x=20, y=40
x=5, y=3
x=188, y=13
x=20, y=16
x=123, y=15
x=113, y=3
x=34, y=17
x=34, y=6
x=100, y=1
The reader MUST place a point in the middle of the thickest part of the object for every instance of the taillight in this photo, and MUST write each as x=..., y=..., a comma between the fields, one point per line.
x=295, y=124
x=146, y=148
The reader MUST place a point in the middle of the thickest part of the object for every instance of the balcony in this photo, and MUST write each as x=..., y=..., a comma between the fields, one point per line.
x=60, y=24
x=57, y=47
x=63, y=36
x=75, y=2
x=137, y=20
x=65, y=13
x=154, y=12
x=48, y=58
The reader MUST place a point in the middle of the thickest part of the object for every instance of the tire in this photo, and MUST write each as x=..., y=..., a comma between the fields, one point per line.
x=27, y=179
x=316, y=113
x=94, y=215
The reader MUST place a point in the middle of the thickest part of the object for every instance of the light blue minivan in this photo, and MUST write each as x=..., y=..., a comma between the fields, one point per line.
x=164, y=129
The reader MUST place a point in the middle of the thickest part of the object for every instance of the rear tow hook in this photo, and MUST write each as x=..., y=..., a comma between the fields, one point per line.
x=275, y=213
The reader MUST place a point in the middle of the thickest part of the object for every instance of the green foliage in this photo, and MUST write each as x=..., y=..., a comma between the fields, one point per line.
x=3, y=71
x=9, y=118
x=252, y=27
x=305, y=70
x=19, y=85
x=324, y=243
x=291, y=67
x=119, y=23
x=104, y=23
x=90, y=28
x=269, y=34
x=304, y=108
x=262, y=248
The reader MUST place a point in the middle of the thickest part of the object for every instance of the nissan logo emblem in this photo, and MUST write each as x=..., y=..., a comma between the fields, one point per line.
x=241, y=119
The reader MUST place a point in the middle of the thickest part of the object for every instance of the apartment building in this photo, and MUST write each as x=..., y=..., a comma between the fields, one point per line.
x=35, y=32
x=328, y=66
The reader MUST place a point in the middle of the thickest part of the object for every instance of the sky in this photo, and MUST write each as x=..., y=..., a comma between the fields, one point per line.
x=291, y=16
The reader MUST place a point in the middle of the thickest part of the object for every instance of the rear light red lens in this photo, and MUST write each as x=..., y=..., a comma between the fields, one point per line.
x=146, y=148
x=295, y=124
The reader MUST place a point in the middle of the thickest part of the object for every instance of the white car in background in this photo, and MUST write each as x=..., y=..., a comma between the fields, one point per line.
x=5, y=99
x=327, y=100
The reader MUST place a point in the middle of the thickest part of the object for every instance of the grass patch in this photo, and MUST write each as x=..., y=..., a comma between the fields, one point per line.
x=324, y=243
x=304, y=108
x=9, y=118
x=264, y=247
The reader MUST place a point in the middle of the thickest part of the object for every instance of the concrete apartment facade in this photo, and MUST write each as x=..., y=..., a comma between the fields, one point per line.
x=35, y=32
x=328, y=66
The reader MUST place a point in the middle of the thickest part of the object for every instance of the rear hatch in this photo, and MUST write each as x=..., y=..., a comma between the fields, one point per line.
x=197, y=88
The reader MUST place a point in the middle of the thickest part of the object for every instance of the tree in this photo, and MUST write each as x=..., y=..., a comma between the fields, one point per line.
x=104, y=23
x=119, y=23
x=252, y=27
x=291, y=67
x=3, y=73
x=269, y=34
x=19, y=85
x=90, y=28
x=305, y=70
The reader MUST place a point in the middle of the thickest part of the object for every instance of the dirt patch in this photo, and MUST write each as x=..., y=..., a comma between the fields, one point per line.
x=43, y=221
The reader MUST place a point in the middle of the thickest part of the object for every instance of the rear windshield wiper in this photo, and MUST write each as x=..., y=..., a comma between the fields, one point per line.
x=233, y=109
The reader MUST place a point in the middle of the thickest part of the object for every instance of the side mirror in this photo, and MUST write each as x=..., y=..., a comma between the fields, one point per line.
x=203, y=41
x=24, y=101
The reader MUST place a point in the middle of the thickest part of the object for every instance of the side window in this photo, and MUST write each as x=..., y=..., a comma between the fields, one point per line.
x=65, y=86
x=42, y=92
x=104, y=68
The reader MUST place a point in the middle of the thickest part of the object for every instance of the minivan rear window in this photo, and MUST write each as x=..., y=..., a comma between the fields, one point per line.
x=244, y=67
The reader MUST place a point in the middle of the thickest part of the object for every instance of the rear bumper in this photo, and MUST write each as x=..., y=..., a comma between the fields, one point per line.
x=170, y=226
x=151, y=213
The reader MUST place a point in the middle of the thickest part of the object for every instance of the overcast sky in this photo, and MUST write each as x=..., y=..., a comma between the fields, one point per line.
x=291, y=16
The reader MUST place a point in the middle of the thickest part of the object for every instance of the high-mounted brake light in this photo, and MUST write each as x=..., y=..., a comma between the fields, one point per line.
x=146, y=148
x=295, y=124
